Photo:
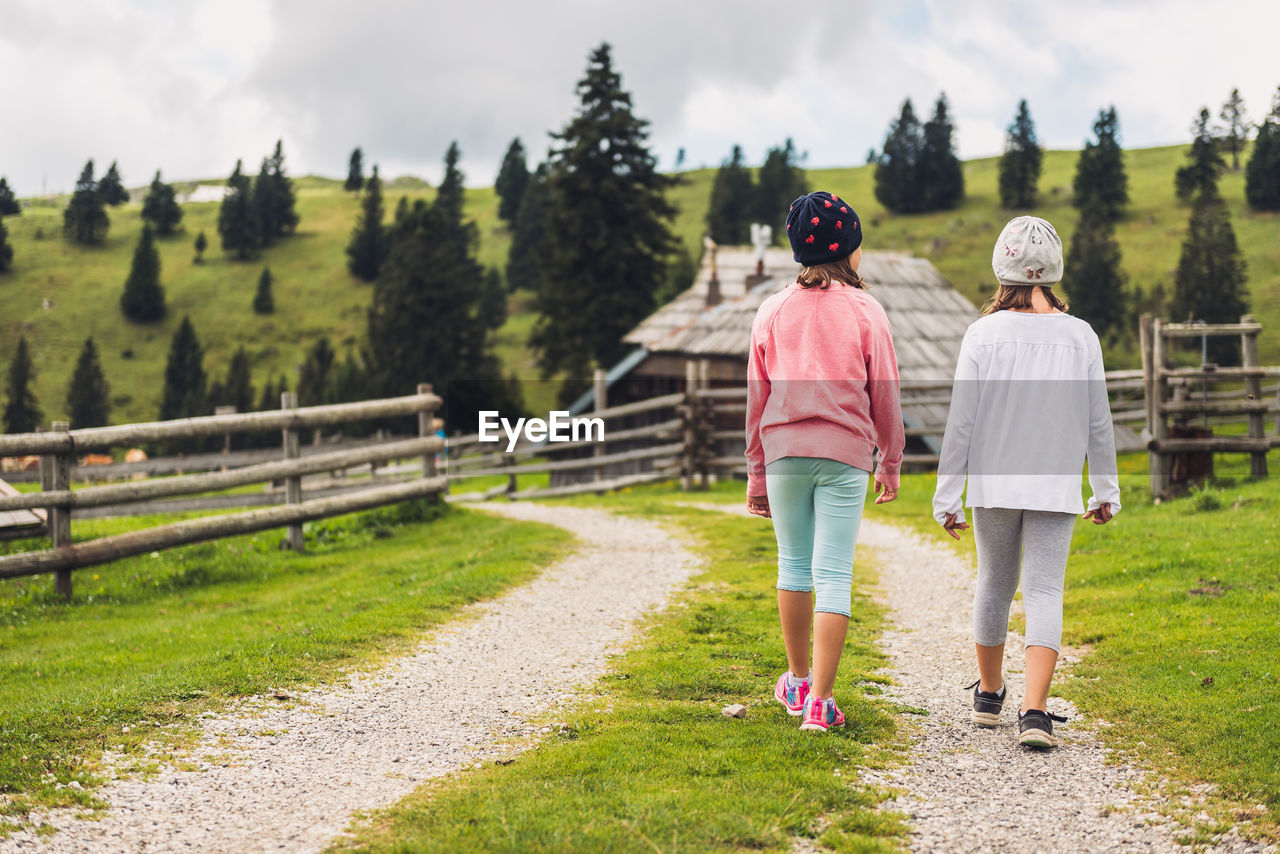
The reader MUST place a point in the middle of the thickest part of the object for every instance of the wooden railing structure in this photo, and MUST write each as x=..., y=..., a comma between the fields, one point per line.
x=695, y=435
x=1182, y=393
x=58, y=448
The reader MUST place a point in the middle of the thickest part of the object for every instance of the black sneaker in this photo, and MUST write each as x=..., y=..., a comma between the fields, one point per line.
x=987, y=705
x=1035, y=728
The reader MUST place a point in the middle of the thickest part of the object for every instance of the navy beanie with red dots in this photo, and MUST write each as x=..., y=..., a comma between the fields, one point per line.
x=822, y=229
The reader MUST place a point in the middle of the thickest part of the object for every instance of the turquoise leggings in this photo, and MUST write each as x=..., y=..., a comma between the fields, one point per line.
x=816, y=505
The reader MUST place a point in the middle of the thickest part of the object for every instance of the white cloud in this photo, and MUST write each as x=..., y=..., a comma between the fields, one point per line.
x=190, y=87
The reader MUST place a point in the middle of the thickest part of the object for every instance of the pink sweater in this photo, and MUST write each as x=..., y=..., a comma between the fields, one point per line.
x=822, y=381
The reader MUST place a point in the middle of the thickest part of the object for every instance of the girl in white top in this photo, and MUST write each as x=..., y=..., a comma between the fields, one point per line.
x=1028, y=407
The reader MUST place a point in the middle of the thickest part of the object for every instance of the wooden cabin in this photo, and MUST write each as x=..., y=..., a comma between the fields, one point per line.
x=712, y=321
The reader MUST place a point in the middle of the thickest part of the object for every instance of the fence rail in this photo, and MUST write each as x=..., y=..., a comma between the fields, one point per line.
x=59, y=447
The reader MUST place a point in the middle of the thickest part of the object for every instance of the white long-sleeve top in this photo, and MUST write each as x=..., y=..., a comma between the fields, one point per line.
x=1028, y=407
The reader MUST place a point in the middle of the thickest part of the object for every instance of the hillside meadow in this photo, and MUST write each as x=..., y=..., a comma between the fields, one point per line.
x=315, y=295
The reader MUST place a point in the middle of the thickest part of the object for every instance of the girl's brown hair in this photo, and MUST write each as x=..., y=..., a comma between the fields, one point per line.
x=1019, y=296
x=822, y=275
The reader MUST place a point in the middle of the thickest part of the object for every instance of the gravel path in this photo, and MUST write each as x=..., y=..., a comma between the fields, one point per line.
x=972, y=789
x=289, y=778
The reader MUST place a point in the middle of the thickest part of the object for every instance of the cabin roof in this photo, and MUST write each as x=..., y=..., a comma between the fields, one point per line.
x=928, y=316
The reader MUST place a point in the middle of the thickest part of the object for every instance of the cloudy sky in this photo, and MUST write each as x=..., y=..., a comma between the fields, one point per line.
x=189, y=86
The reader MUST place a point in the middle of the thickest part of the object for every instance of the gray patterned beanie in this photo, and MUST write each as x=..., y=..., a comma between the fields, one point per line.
x=1029, y=252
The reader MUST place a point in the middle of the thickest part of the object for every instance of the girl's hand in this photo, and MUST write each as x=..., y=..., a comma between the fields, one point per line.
x=1100, y=516
x=884, y=492
x=758, y=505
x=952, y=527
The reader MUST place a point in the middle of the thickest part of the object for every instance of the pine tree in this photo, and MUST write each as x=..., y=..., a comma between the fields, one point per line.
x=607, y=231
x=265, y=205
x=732, y=202
x=423, y=323
x=22, y=412
x=513, y=178
x=1235, y=133
x=89, y=396
x=681, y=271
x=1100, y=177
x=493, y=300
x=1093, y=279
x=1262, y=175
x=284, y=216
x=680, y=157
x=237, y=389
x=778, y=183
x=346, y=381
x=143, y=297
x=368, y=247
x=85, y=220
x=355, y=171
x=449, y=198
x=898, y=164
x=527, y=232
x=269, y=401
x=313, y=375
x=8, y=201
x=263, y=301
x=201, y=244
x=941, y=177
x=161, y=208
x=402, y=209
x=1210, y=282
x=1205, y=164
x=237, y=216
x=1021, y=162
x=111, y=188
x=184, y=377
x=6, y=249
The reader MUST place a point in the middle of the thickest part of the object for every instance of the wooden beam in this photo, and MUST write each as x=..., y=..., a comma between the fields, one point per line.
x=1187, y=330
x=116, y=546
x=209, y=425
x=99, y=496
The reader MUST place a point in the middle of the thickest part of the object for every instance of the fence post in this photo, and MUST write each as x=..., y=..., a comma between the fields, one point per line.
x=425, y=417
x=1158, y=461
x=1253, y=391
x=1148, y=377
x=601, y=388
x=55, y=474
x=706, y=418
x=293, y=484
x=690, y=424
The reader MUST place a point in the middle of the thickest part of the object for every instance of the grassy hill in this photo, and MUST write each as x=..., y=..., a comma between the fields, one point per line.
x=314, y=294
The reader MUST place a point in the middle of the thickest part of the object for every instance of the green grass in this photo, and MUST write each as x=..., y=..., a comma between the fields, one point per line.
x=1165, y=597
x=316, y=296
x=153, y=640
x=649, y=763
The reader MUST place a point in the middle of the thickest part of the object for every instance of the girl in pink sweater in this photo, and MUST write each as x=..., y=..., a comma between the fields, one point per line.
x=822, y=396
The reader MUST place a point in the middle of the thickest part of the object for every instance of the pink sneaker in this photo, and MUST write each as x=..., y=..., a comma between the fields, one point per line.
x=821, y=715
x=792, y=698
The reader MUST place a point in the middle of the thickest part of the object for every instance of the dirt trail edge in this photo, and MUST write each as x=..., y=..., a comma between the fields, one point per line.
x=294, y=775
x=971, y=789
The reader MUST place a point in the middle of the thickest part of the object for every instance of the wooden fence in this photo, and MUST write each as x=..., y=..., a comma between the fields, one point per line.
x=694, y=434
x=1179, y=451
x=60, y=446
x=698, y=433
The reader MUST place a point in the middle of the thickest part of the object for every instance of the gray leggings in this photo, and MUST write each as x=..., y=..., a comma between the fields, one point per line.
x=1035, y=541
